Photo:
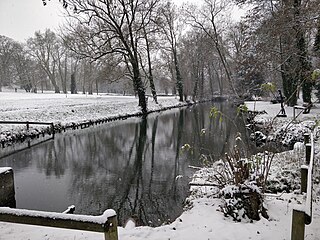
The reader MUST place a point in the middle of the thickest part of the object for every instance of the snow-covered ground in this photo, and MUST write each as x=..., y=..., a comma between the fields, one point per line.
x=64, y=109
x=203, y=218
x=67, y=109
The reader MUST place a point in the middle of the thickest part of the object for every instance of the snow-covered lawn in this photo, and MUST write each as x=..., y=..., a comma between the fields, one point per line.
x=65, y=109
x=204, y=220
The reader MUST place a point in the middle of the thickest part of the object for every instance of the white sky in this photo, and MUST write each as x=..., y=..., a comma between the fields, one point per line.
x=19, y=19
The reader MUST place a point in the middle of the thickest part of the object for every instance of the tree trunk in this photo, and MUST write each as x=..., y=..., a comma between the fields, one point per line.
x=289, y=81
x=210, y=79
x=220, y=83
x=90, y=90
x=65, y=76
x=54, y=83
x=97, y=86
x=223, y=58
x=201, y=83
x=316, y=49
x=73, y=86
x=152, y=86
x=137, y=82
x=196, y=81
x=178, y=75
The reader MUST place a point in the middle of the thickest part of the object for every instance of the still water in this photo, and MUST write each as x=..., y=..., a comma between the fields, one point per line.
x=135, y=166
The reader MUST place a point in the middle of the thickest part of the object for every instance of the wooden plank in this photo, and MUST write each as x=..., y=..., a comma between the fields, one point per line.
x=102, y=223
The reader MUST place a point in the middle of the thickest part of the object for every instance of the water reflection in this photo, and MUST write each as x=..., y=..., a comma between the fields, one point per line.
x=130, y=166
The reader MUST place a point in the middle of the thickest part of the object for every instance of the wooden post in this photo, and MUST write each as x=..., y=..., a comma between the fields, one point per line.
x=298, y=227
x=306, y=137
x=7, y=193
x=308, y=153
x=111, y=229
x=52, y=128
x=304, y=178
x=27, y=125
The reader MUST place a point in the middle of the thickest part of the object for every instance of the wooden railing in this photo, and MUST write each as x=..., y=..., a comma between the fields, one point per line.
x=27, y=123
x=50, y=131
x=106, y=223
x=304, y=110
x=303, y=215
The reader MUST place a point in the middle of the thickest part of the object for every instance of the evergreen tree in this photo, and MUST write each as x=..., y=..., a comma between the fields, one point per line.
x=303, y=68
x=316, y=49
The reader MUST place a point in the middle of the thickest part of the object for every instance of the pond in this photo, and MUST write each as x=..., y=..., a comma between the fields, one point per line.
x=135, y=166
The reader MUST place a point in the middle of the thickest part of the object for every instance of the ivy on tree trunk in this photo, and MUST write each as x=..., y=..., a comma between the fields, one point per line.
x=303, y=70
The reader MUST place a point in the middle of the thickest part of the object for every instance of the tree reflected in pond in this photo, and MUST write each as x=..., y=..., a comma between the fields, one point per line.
x=135, y=166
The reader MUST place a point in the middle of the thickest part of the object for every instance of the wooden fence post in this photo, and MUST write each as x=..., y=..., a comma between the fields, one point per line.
x=304, y=178
x=111, y=229
x=308, y=153
x=7, y=192
x=297, y=226
x=306, y=138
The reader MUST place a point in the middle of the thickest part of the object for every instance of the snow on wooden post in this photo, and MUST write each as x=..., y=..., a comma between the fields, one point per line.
x=105, y=223
x=308, y=153
x=298, y=227
x=306, y=138
x=7, y=194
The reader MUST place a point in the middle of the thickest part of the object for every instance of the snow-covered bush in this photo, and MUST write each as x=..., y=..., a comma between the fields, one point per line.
x=243, y=201
x=289, y=134
x=239, y=181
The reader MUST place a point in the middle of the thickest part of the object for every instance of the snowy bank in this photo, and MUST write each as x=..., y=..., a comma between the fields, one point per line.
x=284, y=130
x=203, y=218
x=68, y=111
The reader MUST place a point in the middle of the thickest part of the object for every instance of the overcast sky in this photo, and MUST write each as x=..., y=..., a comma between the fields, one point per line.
x=19, y=19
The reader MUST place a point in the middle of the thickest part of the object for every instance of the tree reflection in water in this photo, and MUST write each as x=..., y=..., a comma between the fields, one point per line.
x=130, y=166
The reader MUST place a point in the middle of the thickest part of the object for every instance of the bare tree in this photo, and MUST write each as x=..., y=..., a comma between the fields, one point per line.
x=7, y=50
x=150, y=72
x=41, y=48
x=60, y=57
x=101, y=28
x=169, y=26
x=27, y=70
x=206, y=19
